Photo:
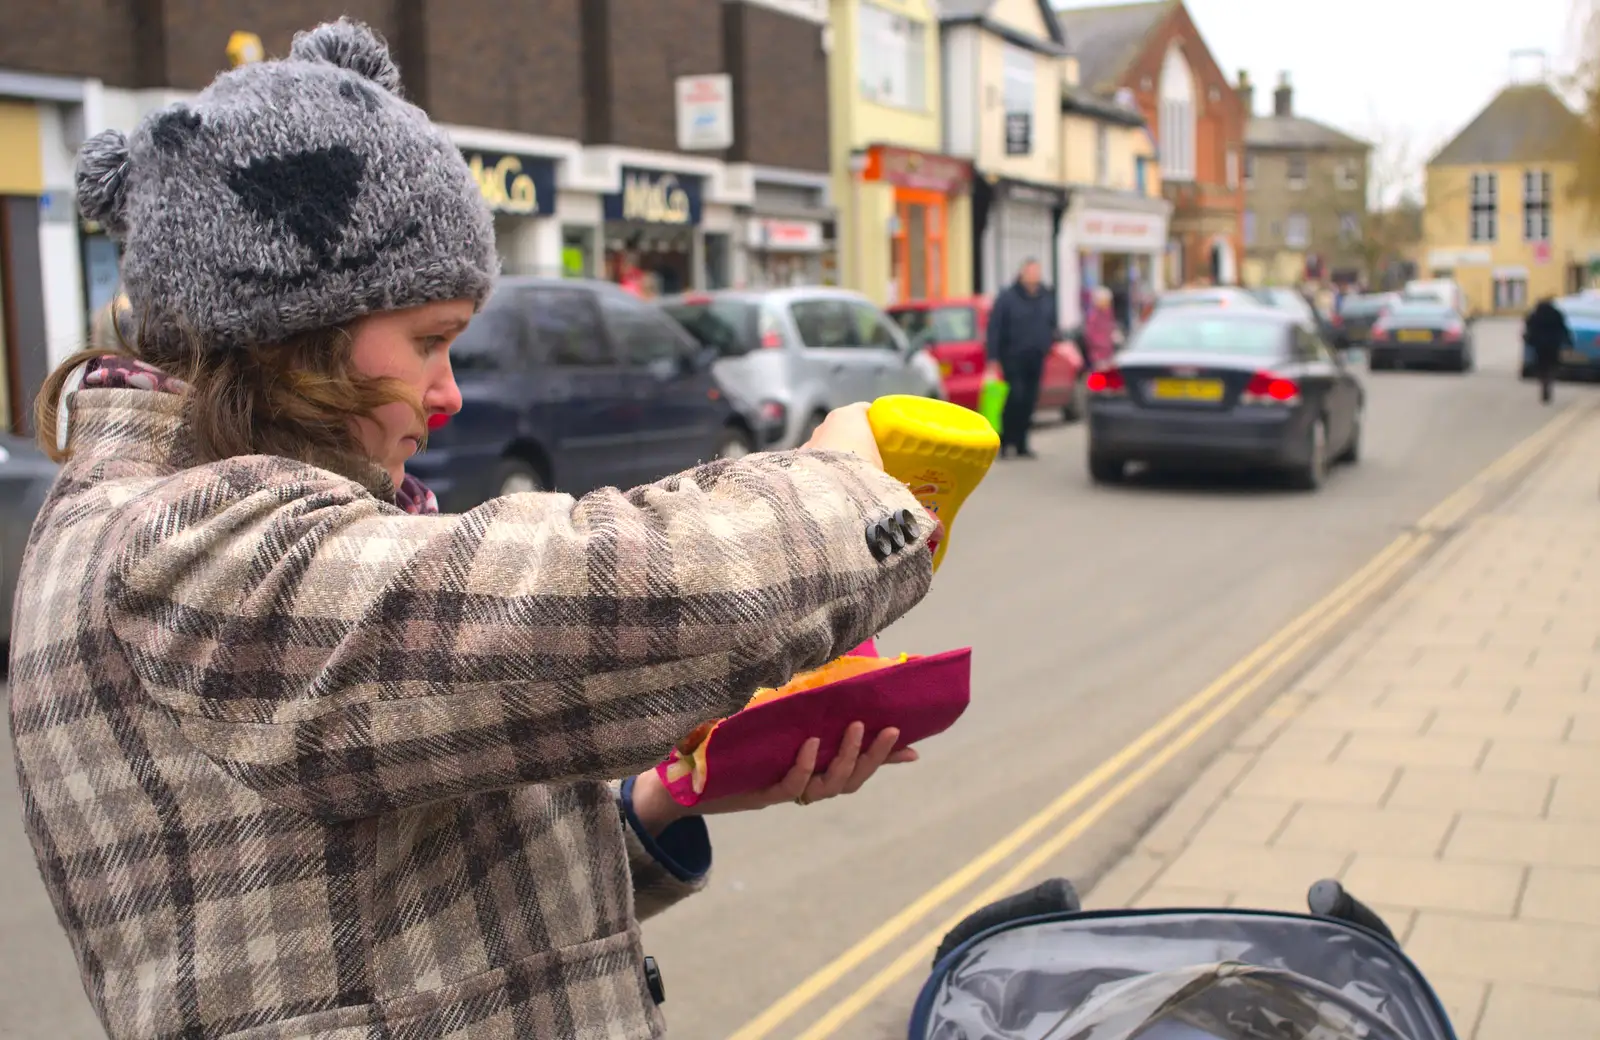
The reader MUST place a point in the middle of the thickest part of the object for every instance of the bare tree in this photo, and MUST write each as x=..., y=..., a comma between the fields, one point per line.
x=1378, y=224
x=1582, y=85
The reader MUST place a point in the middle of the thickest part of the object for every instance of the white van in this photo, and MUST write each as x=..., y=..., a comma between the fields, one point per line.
x=1445, y=290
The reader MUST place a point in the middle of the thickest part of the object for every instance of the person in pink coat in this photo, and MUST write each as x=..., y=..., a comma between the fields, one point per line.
x=1100, y=329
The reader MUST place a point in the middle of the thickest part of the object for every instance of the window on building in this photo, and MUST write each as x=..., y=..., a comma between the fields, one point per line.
x=1018, y=95
x=1102, y=154
x=1177, y=119
x=1536, y=206
x=1350, y=226
x=1297, y=172
x=1249, y=228
x=1510, y=291
x=1233, y=169
x=1141, y=174
x=1485, y=191
x=893, y=58
x=1297, y=233
x=1249, y=170
x=1345, y=175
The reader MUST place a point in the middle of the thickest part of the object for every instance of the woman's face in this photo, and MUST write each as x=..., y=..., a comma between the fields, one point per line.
x=413, y=347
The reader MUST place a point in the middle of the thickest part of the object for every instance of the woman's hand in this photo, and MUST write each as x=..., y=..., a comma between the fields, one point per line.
x=847, y=429
x=852, y=767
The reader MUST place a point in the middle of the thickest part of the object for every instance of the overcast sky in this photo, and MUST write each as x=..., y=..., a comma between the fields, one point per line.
x=1387, y=70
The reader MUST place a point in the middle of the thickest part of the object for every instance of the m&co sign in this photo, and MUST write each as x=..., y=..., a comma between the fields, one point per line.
x=656, y=197
x=516, y=184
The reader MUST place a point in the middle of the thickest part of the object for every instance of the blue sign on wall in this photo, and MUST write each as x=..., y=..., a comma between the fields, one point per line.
x=656, y=197
x=519, y=184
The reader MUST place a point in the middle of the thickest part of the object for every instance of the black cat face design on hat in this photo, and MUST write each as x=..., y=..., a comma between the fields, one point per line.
x=289, y=196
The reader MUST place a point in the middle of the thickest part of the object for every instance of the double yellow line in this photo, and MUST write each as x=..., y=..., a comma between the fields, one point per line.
x=1152, y=751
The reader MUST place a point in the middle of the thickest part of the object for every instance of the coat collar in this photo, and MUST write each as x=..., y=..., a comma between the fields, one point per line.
x=146, y=429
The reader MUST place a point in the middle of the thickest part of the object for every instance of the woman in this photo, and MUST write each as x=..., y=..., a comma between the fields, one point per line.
x=301, y=757
x=1100, y=329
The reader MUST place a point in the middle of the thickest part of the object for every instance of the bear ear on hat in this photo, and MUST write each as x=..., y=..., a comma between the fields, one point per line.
x=349, y=45
x=102, y=178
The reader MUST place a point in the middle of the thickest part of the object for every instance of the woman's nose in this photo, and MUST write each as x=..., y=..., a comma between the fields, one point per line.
x=443, y=394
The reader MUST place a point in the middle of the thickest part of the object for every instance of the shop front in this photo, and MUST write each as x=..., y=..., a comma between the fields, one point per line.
x=654, y=243
x=789, y=235
x=1117, y=241
x=521, y=193
x=22, y=312
x=912, y=236
x=1013, y=222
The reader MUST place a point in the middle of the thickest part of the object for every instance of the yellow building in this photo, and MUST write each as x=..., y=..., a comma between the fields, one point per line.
x=1500, y=217
x=905, y=227
x=21, y=185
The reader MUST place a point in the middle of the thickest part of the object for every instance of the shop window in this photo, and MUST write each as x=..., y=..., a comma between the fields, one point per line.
x=824, y=324
x=566, y=328
x=1485, y=202
x=1177, y=119
x=917, y=245
x=578, y=252
x=892, y=58
x=718, y=261
x=1536, y=206
x=1297, y=233
x=1510, y=292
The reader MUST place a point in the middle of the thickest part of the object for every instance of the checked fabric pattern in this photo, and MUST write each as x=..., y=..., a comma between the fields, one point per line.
x=297, y=763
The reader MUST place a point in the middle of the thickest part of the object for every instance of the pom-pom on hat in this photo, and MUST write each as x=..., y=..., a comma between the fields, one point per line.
x=289, y=196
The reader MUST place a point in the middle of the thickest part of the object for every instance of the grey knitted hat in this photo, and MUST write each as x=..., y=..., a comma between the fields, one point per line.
x=289, y=196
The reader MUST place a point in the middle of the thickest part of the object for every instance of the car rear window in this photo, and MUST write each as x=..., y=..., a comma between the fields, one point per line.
x=1364, y=306
x=1417, y=311
x=1207, y=335
x=944, y=324
x=728, y=326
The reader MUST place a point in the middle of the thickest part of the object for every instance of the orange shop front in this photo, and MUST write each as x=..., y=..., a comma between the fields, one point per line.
x=912, y=236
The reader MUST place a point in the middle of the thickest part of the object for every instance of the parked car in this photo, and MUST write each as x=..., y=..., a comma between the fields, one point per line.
x=1582, y=359
x=1421, y=331
x=795, y=354
x=956, y=332
x=1293, y=301
x=1222, y=387
x=26, y=474
x=573, y=385
x=1357, y=315
x=1443, y=290
x=1208, y=296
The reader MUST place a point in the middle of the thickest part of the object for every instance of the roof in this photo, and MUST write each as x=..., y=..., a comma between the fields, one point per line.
x=1087, y=102
x=1299, y=134
x=1106, y=40
x=1524, y=123
x=977, y=11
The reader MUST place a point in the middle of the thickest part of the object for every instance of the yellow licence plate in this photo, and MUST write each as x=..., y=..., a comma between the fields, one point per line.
x=1573, y=357
x=1187, y=389
x=1414, y=336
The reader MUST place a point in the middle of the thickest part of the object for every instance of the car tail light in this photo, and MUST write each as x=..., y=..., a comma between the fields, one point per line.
x=1269, y=388
x=1107, y=382
x=1452, y=333
x=774, y=412
x=1337, y=321
x=1378, y=330
x=771, y=340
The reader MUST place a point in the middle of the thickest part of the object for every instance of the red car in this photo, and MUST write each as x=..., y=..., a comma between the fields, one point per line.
x=956, y=331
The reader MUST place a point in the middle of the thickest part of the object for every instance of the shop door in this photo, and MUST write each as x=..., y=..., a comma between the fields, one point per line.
x=918, y=245
x=1025, y=233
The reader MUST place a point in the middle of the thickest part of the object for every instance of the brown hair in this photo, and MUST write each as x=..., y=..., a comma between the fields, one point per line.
x=295, y=399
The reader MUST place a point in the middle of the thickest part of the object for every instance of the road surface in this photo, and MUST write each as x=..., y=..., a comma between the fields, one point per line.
x=1092, y=613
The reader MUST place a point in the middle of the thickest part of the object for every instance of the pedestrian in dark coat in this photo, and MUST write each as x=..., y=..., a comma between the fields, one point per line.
x=301, y=756
x=1022, y=330
x=1547, y=333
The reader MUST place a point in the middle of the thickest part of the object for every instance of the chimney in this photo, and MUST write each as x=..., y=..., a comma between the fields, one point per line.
x=1247, y=94
x=1283, y=97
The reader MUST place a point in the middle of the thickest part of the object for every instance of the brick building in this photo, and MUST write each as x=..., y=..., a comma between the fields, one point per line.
x=688, y=136
x=1155, y=54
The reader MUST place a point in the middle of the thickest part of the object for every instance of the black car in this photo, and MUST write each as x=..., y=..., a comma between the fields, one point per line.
x=1246, y=388
x=1357, y=315
x=572, y=385
x=1419, y=331
x=25, y=477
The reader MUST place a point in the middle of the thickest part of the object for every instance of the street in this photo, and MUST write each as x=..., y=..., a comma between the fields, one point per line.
x=1092, y=613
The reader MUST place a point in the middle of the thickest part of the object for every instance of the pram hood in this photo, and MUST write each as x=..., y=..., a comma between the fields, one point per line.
x=1178, y=975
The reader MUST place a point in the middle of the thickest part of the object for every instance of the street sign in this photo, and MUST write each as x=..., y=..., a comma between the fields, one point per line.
x=705, y=112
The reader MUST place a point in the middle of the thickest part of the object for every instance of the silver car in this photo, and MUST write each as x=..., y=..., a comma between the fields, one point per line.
x=797, y=353
x=25, y=476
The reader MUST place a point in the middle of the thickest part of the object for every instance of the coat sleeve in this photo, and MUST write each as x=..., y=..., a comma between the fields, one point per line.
x=346, y=659
x=995, y=336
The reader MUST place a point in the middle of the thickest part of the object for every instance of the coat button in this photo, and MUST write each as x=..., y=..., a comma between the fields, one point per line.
x=879, y=543
x=907, y=524
x=652, y=979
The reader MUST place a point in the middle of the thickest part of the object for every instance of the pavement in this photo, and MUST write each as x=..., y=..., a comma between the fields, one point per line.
x=1443, y=762
x=1095, y=615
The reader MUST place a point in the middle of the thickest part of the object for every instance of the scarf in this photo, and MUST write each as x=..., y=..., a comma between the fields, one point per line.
x=110, y=372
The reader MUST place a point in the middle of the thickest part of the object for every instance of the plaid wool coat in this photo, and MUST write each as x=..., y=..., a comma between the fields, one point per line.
x=296, y=763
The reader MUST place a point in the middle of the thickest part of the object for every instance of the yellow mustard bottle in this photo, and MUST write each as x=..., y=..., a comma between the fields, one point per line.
x=941, y=451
